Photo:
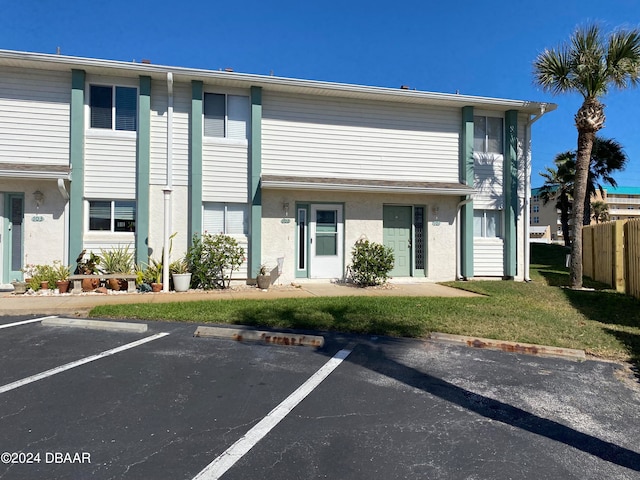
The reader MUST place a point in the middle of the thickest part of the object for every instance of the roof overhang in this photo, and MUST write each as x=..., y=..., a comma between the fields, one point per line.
x=278, y=182
x=35, y=171
x=269, y=82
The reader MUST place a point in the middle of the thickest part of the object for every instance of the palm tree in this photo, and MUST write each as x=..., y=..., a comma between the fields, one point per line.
x=589, y=64
x=600, y=211
x=607, y=156
x=558, y=186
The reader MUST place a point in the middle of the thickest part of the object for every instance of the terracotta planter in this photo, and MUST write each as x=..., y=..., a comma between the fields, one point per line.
x=114, y=284
x=63, y=286
x=44, y=285
x=156, y=287
x=90, y=284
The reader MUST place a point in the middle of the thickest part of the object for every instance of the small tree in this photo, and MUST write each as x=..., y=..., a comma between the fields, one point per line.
x=370, y=263
x=212, y=260
x=600, y=211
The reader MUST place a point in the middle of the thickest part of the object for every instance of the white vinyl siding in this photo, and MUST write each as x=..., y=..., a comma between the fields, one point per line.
x=158, y=159
x=110, y=166
x=181, y=115
x=181, y=112
x=35, y=125
x=327, y=137
x=225, y=173
x=488, y=257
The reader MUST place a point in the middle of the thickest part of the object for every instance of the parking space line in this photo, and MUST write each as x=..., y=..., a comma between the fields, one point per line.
x=235, y=452
x=24, y=322
x=77, y=363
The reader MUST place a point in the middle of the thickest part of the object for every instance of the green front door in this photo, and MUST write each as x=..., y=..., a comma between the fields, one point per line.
x=396, y=225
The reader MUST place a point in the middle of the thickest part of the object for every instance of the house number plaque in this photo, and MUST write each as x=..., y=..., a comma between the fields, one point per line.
x=37, y=218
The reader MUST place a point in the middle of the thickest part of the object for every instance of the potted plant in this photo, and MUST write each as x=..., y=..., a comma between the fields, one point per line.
x=181, y=275
x=153, y=275
x=42, y=276
x=264, y=278
x=62, y=276
x=87, y=264
x=119, y=260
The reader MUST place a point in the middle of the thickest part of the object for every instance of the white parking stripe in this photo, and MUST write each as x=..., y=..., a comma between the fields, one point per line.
x=24, y=322
x=235, y=452
x=77, y=363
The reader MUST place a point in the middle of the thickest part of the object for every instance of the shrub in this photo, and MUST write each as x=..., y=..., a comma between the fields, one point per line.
x=370, y=263
x=212, y=260
x=42, y=273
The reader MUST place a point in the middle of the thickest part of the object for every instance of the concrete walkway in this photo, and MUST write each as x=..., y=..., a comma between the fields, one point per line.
x=79, y=305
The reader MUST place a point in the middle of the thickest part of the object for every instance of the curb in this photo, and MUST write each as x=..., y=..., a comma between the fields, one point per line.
x=279, y=338
x=514, y=347
x=96, y=325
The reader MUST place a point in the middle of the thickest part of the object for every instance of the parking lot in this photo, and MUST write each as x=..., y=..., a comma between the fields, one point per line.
x=163, y=404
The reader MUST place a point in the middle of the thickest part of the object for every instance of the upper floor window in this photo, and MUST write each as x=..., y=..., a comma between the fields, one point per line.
x=536, y=219
x=536, y=198
x=226, y=116
x=487, y=135
x=487, y=223
x=113, y=108
x=112, y=215
x=536, y=208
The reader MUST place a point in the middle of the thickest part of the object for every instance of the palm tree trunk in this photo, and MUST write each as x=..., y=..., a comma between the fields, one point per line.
x=583, y=157
x=564, y=219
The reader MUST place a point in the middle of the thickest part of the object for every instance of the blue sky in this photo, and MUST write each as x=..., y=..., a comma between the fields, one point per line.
x=477, y=48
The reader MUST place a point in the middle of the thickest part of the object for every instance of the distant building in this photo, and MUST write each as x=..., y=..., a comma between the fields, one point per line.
x=623, y=202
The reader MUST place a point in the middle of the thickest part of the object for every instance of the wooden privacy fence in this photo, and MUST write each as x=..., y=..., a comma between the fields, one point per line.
x=611, y=254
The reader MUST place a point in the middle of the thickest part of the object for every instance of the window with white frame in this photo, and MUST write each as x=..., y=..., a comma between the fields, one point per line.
x=112, y=215
x=226, y=116
x=487, y=223
x=536, y=219
x=113, y=107
x=536, y=208
x=225, y=218
x=488, y=134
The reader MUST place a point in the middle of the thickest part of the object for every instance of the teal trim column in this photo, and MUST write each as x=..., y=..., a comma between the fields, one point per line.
x=510, y=192
x=143, y=170
x=76, y=161
x=466, y=177
x=195, y=160
x=255, y=191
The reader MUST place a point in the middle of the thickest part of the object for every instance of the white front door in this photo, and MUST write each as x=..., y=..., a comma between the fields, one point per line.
x=327, y=241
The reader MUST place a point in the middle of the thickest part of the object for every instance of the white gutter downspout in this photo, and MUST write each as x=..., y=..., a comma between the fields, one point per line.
x=65, y=196
x=527, y=191
x=169, y=187
x=467, y=201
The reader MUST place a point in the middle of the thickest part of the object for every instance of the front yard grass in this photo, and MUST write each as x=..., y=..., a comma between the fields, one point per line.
x=600, y=321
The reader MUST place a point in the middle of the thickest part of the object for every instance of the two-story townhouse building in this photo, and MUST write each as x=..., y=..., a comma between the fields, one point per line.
x=98, y=153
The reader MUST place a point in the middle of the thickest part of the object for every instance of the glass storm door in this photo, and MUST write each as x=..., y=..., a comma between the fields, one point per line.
x=12, y=237
x=326, y=241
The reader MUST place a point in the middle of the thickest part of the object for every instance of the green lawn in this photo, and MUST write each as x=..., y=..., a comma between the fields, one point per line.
x=600, y=321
